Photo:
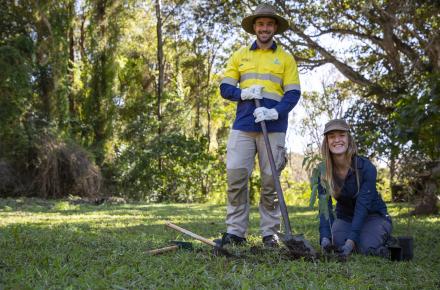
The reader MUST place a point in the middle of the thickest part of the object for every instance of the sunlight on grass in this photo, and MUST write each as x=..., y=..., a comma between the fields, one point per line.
x=432, y=220
x=53, y=244
x=311, y=213
x=64, y=206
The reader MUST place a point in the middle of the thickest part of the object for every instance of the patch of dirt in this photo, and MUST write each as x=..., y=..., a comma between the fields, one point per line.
x=256, y=250
x=260, y=254
x=298, y=250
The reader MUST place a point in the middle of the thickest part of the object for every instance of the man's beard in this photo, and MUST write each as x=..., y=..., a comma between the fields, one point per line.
x=265, y=41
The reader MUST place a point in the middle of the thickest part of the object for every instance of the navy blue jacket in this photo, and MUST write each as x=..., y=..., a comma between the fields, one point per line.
x=355, y=205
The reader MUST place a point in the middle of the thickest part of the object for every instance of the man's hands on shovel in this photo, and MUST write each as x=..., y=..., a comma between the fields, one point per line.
x=253, y=92
x=265, y=114
x=261, y=113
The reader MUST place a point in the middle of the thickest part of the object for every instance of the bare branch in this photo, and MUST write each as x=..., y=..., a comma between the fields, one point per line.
x=165, y=18
x=342, y=67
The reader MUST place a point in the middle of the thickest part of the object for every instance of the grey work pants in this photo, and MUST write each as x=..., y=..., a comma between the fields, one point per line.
x=240, y=159
x=374, y=233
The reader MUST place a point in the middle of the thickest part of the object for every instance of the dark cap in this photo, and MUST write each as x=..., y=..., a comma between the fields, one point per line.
x=336, y=124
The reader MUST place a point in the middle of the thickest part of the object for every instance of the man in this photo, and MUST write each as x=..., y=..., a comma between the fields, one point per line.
x=266, y=72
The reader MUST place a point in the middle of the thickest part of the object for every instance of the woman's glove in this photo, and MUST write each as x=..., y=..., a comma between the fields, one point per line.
x=346, y=249
x=326, y=245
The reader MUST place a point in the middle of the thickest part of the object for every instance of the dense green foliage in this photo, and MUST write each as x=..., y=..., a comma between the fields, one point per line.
x=135, y=84
x=84, y=73
x=56, y=244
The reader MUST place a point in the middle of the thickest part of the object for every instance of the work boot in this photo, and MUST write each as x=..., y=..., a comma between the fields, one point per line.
x=229, y=239
x=270, y=241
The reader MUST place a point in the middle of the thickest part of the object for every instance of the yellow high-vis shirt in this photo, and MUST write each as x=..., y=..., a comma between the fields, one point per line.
x=276, y=70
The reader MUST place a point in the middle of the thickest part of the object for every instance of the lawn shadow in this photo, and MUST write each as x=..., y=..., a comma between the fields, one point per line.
x=38, y=205
x=213, y=215
x=64, y=206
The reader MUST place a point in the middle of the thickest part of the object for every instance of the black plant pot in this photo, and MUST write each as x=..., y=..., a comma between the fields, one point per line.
x=395, y=253
x=407, y=245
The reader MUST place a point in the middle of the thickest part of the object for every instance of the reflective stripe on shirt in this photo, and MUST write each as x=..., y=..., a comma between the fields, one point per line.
x=229, y=81
x=292, y=87
x=260, y=76
x=272, y=96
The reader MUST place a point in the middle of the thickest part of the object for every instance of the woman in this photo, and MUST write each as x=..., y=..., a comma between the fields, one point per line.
x=362, y=222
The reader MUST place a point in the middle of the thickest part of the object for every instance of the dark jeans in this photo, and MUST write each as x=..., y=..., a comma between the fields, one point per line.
x=374, y=233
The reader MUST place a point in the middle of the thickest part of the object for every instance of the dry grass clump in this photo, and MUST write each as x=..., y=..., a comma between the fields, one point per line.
x=64, y=168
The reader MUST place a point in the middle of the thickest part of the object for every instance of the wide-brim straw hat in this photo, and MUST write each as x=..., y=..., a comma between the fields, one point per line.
x=264, y=10
x=336, y=125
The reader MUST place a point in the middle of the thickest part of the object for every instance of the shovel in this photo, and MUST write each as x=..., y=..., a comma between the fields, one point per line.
x=176, y=245
x=296, y=244
x=217, y=249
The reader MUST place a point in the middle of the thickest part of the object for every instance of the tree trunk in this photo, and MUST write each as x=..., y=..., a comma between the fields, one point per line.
x=82, y=37
x=208, y=103
x=208, y=113
x=394, y=196
x=45, y=67
x=100, y=85
x=430, y=184
x=199, y=92
x=45, y=84
x=197, y=124
x=160, y=81
x=70, y=96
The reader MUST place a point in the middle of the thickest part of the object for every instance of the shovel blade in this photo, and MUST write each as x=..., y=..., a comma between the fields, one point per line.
x=298, y=246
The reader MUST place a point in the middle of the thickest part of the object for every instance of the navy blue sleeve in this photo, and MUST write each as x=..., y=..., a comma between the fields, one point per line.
x=230, y=92
x=364, y=200
x=325, y=224
x=288, y=102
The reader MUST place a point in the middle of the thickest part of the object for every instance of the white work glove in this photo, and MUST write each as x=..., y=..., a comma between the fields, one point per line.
x=253, y=92
x=265, y=114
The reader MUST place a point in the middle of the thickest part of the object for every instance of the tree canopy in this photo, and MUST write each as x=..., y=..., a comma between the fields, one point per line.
x=130, y=88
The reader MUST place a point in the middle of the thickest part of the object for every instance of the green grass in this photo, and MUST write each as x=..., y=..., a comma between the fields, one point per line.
x=56, y=245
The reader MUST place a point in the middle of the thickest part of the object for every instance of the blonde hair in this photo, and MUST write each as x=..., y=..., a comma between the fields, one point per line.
x=327, y=156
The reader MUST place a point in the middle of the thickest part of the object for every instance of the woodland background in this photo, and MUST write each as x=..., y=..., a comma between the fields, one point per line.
x=121, y=97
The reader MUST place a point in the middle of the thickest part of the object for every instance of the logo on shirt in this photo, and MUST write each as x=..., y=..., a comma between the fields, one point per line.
x=276, y=61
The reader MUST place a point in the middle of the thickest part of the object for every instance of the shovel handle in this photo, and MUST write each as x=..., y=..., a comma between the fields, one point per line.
x=276, y=179
x=162, y=250
x=191, y=234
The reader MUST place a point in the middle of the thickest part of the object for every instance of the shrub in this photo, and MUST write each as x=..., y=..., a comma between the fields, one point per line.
x=9, y=181
x=64, y=168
